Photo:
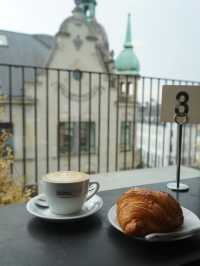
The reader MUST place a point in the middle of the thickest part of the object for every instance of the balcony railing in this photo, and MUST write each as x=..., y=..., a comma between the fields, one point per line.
x=87, y=121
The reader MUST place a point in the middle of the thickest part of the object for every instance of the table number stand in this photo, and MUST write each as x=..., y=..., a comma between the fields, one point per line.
x=181, y=118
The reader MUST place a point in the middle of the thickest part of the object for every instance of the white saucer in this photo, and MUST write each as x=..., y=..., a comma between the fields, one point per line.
x=90, y=207
x=190, y=227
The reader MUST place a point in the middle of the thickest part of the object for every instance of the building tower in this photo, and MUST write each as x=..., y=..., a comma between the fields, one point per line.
x=127, y=64
x=128, y=67
x=127, y=61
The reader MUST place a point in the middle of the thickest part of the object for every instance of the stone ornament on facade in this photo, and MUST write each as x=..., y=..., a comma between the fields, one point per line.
x=75, y=96
x=78, y=42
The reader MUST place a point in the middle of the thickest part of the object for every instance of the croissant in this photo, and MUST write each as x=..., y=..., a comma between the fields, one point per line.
x=142, y=211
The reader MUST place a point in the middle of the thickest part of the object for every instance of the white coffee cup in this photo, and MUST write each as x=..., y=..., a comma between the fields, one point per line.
x=66, y=191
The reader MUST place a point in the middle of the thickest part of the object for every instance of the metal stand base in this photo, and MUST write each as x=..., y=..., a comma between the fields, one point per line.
x=173, y=186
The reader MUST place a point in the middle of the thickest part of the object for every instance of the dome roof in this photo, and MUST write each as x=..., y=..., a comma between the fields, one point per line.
x=127, y=61
x=95, y=28
x=95, y=32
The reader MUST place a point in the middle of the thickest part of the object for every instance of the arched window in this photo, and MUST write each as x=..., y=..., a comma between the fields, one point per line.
x=123, y=88
x=126, y=136
x=130, y=89
x=127, y=86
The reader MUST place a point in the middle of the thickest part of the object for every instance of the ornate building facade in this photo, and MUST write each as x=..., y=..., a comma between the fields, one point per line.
x=78, y=91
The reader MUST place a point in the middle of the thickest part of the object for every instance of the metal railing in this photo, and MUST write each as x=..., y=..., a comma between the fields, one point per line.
x=87, y=121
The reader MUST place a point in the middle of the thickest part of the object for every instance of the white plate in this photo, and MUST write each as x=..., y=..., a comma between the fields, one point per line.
x=191, y=227
x=90, y=207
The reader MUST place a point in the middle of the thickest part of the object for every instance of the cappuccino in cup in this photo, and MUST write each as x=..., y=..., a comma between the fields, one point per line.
x=66, y=191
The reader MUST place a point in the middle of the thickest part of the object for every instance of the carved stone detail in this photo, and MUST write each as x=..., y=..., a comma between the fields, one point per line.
x=92, y=38
x=63, y=33
x=78, y=42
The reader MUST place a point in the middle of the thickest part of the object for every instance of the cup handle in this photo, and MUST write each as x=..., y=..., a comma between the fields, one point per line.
x=93, y=189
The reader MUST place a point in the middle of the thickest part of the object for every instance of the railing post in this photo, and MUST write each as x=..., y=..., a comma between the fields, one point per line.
x=35, y=126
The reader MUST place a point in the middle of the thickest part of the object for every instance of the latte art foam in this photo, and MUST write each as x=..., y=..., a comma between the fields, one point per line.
x=66, y=177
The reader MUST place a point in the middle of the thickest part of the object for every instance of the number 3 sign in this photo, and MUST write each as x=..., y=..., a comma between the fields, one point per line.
x=180, y=104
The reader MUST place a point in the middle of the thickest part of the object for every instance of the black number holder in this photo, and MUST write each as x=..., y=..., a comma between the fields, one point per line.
x=177, y=186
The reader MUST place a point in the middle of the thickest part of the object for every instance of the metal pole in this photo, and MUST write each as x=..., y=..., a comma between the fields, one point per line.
x=179, y=143
x=177, y=186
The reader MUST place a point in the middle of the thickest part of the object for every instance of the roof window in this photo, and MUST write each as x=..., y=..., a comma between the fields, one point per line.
x=3, y=40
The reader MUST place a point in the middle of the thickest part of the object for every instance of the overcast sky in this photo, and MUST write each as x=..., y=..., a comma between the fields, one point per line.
x=166, y=33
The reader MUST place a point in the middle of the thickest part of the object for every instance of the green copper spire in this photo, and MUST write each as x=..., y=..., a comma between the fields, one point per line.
x=127, y=62
x=128, y=39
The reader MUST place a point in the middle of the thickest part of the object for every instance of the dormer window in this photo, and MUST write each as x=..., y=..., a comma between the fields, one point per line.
x=3, y=40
